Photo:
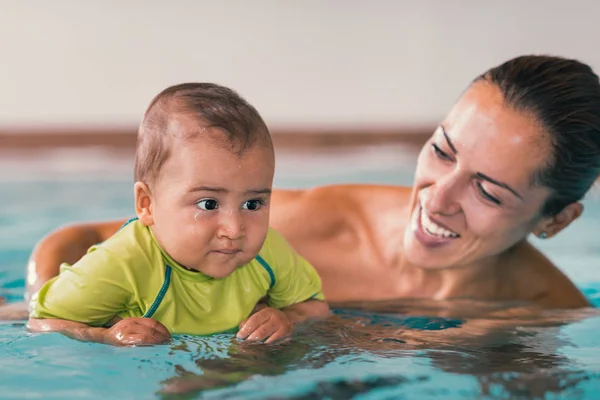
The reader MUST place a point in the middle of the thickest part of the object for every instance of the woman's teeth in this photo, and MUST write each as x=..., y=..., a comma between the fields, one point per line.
x=433, y=229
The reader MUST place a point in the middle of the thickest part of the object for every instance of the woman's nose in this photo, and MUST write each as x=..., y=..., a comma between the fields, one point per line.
x=442, y=198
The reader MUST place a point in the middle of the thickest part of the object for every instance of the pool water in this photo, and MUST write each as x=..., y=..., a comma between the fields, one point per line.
x=403, y=351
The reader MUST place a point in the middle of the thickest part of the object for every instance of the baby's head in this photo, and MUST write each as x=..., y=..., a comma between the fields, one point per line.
x=204, y=168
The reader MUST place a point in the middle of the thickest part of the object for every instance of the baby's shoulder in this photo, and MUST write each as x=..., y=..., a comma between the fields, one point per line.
x=131, y=244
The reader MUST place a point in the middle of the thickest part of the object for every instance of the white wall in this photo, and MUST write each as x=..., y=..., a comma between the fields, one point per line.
x=342, y=63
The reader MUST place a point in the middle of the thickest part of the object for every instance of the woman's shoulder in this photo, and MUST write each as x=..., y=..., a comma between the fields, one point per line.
x=346, y=197
x=354, y=189
x=541, y=281
x=328, y=224
x=335, y=206
x=349, y=191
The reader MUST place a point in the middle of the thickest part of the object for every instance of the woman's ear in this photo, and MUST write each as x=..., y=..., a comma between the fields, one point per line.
x=550, y=226
x=143, y=203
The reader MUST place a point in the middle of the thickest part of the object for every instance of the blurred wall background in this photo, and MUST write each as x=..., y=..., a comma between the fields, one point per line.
x=325, y=65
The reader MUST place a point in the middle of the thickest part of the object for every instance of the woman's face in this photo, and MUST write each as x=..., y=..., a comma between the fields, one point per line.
x=473, y=196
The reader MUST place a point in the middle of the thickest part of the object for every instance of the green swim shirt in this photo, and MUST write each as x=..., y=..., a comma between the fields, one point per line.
x=130, y=276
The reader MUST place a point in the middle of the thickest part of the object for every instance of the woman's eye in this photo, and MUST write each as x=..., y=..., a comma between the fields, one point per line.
x=440, y=153
x=486, y=195
x=252, y=205
x=207, y=204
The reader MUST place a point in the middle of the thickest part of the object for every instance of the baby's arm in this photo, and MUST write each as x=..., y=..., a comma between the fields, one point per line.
x=300, y=312
x=86, y=297
x=296, y=294
x=272, y=324
x=126, y=332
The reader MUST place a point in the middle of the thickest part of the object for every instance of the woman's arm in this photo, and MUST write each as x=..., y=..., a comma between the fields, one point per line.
x=126, y=332
x=64, y=245
x=72, y=329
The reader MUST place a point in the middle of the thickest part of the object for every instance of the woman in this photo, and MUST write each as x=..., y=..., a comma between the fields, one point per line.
x=514, y=157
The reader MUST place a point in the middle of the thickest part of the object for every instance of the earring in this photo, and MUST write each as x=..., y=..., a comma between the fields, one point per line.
x=543, y=235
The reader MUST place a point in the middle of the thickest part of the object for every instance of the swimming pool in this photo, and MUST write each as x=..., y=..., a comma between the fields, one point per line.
x=360, y=354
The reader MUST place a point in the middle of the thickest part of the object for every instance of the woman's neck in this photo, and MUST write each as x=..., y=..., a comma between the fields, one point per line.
x=477, y=280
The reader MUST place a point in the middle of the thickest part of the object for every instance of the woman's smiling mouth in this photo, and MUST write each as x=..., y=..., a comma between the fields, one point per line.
x=428, y=232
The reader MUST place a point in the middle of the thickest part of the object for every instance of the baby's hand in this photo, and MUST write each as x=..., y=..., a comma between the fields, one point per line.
x=136, y=331
x=268, y=323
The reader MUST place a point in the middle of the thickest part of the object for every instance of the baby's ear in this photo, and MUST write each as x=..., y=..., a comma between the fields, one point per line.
x=143, y=203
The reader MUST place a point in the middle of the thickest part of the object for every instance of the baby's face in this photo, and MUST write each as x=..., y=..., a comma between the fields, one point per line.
x=211, y=206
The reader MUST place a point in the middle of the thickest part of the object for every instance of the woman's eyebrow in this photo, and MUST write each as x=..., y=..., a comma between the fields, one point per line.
x=450, y=144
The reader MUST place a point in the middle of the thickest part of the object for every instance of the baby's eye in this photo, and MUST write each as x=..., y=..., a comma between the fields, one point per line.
x=252, y=205
x=207, y=204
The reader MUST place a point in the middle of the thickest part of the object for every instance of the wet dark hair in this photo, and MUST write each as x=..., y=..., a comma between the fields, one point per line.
x=564, y=97
x=212, y=106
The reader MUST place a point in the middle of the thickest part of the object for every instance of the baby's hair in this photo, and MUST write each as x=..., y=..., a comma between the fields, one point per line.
x=212, y=106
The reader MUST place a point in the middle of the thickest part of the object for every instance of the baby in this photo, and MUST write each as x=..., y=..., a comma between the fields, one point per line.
x=200, y=255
